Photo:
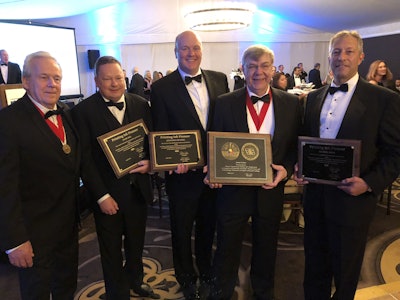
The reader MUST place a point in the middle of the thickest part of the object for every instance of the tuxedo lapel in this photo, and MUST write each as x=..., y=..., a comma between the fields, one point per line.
x=354, y=113
x=239, y=111
x=111, y=122
x=184, y=97
x=315, y=111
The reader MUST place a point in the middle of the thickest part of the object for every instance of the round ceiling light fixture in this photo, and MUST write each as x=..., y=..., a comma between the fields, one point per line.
x=220, y=16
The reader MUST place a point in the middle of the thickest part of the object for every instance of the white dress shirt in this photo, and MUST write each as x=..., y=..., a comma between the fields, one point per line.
x=334, y=108
x=268, y=125
x=199, y=95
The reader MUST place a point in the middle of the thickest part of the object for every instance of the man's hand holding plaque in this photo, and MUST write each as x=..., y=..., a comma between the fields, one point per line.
x=124, y=147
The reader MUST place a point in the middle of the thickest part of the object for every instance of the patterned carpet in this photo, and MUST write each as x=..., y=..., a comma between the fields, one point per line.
x=381, y=263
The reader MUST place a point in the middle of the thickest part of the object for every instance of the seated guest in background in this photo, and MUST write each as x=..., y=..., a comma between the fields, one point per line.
x=137, y=83
x=294, y=81
x=119, y=204
x=380, y=74
x=281, y=69
x=239, y=80
x=39, y=183
x=280, y=81
x=10, y=72
x=240, y=111
x=303, y=74
x=337, y=217
x=397, y=83
x=315, y=76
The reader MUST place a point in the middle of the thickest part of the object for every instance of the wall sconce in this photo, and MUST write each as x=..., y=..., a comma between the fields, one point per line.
x=220, y=16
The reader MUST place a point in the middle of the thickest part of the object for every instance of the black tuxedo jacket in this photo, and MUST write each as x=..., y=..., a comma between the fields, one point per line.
x=14, y=74
x=93, y=118
x=230, y=116
x=372, y=117
x=173, y=109
x=38, y=181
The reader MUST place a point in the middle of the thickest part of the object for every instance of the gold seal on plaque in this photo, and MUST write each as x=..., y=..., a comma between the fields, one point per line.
x=250, y=151
x=230, y=151
x=66, y=148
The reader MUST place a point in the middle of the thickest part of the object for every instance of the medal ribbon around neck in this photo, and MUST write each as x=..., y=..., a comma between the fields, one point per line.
x=258, y=119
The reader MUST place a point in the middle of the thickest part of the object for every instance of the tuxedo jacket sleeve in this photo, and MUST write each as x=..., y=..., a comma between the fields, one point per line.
x=93, y=118
x=38, y=181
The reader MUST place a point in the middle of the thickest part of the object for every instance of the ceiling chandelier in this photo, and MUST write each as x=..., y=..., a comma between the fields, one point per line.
x=220, y=16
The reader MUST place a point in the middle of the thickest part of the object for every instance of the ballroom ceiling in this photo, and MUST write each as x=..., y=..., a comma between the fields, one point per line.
x=325, y=16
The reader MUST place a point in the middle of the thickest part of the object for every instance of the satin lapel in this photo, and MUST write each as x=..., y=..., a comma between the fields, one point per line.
x=239, y=111
x=279, y=114
x=184, y=97
x=110, y=120
x=41, y=125
x=354, y=113
x=315, y=111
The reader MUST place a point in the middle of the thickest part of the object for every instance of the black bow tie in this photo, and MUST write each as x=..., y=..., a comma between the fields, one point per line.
x=189, y=79
x=3, y=64
x=119, y=105
x=264, y=98
x=343, y=87
x=53, y=112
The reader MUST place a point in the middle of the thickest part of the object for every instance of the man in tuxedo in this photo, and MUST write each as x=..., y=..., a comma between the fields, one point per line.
x=258, y=109
x=10, y=72
x=315, y=76
x=294, y=81
x=303, y=74
x=119, y=204
x=337, y=217
x=39, y=181
x=137, y=83
x=180, y=105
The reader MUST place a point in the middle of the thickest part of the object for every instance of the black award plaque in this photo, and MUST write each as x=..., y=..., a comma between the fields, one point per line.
x=170, y=148
x=124, y=147
x=328, y=161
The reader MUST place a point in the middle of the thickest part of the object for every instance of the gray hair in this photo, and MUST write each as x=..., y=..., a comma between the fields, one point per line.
x=345, y=33
x=255, y=52
x=27, y=69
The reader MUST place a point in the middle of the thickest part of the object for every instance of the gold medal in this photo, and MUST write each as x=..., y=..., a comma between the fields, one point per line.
x=66, y=148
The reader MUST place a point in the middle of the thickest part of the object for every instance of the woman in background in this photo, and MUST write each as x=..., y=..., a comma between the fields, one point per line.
x=380, y=74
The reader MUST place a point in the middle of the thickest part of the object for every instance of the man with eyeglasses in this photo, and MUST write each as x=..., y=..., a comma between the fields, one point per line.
x=257, y=108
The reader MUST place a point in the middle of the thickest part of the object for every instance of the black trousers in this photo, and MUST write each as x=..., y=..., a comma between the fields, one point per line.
x=332, y=252
x=187, y=212
x=54, y=271
x=127, y=229
x=231, y=226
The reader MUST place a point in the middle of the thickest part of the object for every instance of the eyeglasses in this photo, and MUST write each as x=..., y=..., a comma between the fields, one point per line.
x=253, y=68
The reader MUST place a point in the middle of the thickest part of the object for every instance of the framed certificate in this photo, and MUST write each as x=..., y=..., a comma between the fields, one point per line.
x=170, y=148
x=328, y=161
x=124, y=147
x=237, y=158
